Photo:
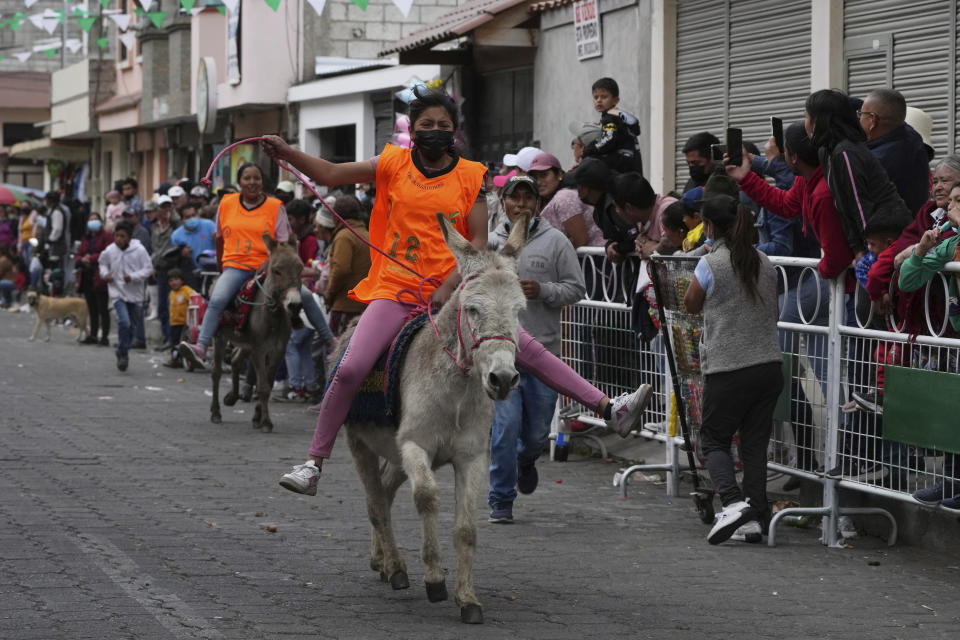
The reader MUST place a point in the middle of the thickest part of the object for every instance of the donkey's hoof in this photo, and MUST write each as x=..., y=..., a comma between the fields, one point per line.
x=471, y=614
x=216, y=419
x=267, y=427
x=399, y=580
x=436, y=591
x=383, y=577
x=230, y=399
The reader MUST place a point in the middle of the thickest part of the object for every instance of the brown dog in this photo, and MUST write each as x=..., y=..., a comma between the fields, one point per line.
x=48, y=309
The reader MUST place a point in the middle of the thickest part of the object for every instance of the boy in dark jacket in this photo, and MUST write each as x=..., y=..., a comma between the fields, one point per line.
x=618, y=145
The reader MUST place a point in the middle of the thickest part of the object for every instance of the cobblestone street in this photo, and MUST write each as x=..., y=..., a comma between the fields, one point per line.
x=126, y=514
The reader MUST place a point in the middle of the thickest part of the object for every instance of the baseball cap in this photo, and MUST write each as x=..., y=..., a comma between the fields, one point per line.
x=922, y=123
x=200, y=191
x=587, y=131
x=544, y=161
x=285, y=185
x=593, y=173
x=162, y=200
x=325, y=218
x=499, y=181
x=150, y=205
x=516, y=181
x=521, y=158
x=176, y=191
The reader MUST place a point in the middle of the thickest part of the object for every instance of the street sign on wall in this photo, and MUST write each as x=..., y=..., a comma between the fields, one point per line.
x=586, y=24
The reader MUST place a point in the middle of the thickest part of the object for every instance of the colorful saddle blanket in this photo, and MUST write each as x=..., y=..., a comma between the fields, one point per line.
x=378, y=399
x=236, y=313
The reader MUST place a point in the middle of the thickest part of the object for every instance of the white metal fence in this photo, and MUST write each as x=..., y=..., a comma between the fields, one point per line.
x=834, y=346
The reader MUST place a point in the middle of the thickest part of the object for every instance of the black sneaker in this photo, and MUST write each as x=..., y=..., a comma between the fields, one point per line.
x=868, y=471
x=870, y=401
x=89, y=340
x=104, y=341
x=930, y=496
x=527, y=478
x=139, y=345
x=501, y=514
x=122, y=362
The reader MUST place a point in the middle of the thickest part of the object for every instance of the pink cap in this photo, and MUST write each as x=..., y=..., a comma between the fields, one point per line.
x=499, y=181
x=544, y=161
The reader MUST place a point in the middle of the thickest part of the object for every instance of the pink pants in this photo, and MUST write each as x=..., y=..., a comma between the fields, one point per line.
x=379, y=325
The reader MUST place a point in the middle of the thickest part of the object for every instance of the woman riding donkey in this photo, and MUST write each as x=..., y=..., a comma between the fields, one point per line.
x=241, y=222
x=413, y=185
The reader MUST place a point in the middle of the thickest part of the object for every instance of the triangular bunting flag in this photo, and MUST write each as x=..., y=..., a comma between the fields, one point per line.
x=222, y=9
x=61, y=16
x=196, y=10
x=86, y=23
x=103, y=42
x=361, y=3
x=30, y=3
x=50, y=53
x=188, y=5
x=122, y=20
x=146, y=4
x=50, y=24
x=404, y=6
x=157, y=18
x=15, y=22
x=129, y=39
x=37, y=20
x=80, y=11
x=105, y=4
x=231, y=5
x=74, y=45
x=22, y=56
x=317, y=5
x=273, y=4
x=138, y=12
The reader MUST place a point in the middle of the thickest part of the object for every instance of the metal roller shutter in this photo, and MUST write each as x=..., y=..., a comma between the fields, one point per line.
x=769, y=64
x=739, y=62
x=913, y=52
x=701, y=72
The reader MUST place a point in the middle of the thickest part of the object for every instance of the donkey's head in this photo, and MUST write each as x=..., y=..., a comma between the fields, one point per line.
x=283, y=274
x=489, y=303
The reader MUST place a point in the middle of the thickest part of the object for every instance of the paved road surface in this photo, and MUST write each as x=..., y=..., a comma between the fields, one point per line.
x=126, y=514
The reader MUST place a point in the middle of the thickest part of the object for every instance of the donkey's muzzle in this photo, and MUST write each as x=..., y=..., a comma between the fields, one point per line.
x=501, y=382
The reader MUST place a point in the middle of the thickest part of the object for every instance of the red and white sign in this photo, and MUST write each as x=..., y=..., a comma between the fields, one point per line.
x=586, y=24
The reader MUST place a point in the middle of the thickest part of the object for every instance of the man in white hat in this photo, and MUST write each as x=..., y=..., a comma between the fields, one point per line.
x=521, y=159
x=178, y=196
x=284, y=191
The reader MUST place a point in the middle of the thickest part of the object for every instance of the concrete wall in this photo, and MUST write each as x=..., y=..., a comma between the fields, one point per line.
x=562, y=83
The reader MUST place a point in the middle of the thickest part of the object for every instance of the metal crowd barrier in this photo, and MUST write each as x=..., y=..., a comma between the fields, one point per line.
x=834, y=346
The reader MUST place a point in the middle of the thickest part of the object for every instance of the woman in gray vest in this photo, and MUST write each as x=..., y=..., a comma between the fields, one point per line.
x=736, y=288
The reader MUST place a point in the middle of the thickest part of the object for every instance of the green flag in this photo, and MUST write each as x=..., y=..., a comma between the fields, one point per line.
x=86, y=23
x=105, y=3
x=222, y=9
x=273, y=4
x=361, y=3
x=15, y=21
x=50, y=53
x=157, y=18
x=187, y=5
x=103, y=42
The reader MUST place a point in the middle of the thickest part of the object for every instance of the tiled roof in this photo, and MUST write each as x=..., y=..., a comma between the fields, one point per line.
x=458, y=22
x=540, y=7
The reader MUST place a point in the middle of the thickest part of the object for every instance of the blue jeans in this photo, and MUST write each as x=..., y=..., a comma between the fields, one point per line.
x=314, y=315
x=127, y=313
x=226, y=289
x=300, y=361
x=163, y=304
x=7, y=290
x=521, y=426
x=36, y=271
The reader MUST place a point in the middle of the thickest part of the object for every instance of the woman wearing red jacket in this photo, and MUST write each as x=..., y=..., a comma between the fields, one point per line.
x=89, y=283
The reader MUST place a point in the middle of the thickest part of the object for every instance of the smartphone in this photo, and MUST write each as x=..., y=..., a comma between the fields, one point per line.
x=717, y=151
x=735, y=146
x=776, y=124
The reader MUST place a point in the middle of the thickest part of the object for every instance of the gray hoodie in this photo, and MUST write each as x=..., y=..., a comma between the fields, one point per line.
x=551, y=260
x=134, y=261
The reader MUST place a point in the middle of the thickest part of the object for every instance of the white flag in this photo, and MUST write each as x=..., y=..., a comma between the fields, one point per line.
x=231, y=5
x=122, y=20
x=30, y=3
x=37, y=20
x=74, y=45
x=50, y=23
x=129, y=40
x=404, y=6
x=146, y=4
x=317, y=5
x=22, y=55
x=196, y=10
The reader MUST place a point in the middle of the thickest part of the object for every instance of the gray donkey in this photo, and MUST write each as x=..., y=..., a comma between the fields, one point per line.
x=264, y=336
x=446, y=409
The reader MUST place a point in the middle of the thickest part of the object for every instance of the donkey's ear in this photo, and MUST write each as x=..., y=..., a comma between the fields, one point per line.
x=269, y=241
x=460, y=247
x=517, y=240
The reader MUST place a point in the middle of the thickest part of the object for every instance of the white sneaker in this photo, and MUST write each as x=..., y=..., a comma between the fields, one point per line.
x=729, y=520
x=303, y=478
x=626, y=410
x=750, y=532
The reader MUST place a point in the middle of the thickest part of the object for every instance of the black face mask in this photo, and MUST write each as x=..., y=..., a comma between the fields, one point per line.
x=699, y=174
x=433, y=143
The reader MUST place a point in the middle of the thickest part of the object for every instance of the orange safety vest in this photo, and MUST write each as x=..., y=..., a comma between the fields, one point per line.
x=404, y=222
x=242, y=231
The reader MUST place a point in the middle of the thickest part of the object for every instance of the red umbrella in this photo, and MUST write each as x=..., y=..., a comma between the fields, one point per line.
x=6, y=196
